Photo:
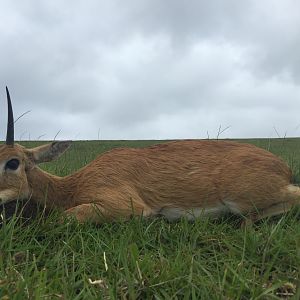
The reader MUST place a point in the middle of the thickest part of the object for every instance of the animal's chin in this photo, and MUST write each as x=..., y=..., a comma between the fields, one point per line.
x=10, y=195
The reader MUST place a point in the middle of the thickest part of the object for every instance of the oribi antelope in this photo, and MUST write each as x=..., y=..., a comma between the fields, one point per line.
x=189, y=178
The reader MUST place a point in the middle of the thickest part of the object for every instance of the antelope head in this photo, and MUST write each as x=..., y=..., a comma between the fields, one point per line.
x=17, y=162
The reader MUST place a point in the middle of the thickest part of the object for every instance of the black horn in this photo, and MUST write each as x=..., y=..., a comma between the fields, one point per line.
x=10, y=121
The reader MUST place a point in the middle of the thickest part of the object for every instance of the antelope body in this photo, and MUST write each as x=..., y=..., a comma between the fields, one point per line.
x=185, y=178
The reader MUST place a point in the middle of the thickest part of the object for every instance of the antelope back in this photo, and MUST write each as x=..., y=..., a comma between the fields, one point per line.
x=187, y=174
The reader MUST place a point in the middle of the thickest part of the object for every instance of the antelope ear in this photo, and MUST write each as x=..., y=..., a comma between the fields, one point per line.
x=48, y=152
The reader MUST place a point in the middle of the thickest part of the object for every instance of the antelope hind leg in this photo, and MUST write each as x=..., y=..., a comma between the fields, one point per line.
x=290, y=198
x=273, y=210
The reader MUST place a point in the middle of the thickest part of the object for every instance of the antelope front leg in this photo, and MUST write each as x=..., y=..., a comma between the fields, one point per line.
x=89, y=212
x=117, y=206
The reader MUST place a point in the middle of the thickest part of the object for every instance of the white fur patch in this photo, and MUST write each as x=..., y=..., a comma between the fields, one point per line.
x=2, y=165
x=174, y=213
x=232, y=207
x=293, y=189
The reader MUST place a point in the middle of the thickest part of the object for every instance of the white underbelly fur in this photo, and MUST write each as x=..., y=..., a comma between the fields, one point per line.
x=173, y=213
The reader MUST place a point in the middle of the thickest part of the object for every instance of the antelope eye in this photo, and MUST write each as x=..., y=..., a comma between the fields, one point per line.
x=12, y=164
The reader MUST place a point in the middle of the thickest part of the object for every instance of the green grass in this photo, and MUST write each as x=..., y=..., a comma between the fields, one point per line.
x=151, y=259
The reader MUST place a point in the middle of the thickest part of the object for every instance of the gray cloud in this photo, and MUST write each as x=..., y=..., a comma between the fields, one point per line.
x=151, y=69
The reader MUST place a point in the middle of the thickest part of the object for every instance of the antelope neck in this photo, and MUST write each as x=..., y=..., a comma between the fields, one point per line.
x=51, y=190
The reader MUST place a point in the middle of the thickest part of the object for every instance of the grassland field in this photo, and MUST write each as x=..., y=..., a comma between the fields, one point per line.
x=151, y=259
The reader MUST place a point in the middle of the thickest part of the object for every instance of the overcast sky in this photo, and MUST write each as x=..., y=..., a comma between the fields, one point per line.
x=157, y=69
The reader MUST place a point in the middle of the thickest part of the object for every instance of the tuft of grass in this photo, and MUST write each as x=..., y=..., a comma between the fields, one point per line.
x=150, y=259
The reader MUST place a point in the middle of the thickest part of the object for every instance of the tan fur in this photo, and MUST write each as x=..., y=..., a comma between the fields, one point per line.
x=183, y=178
